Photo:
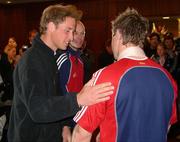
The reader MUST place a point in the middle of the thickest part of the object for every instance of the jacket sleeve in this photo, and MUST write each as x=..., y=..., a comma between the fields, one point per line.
x=40, y=98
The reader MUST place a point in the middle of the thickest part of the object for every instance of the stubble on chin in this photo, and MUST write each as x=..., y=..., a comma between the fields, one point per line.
x=63, y=47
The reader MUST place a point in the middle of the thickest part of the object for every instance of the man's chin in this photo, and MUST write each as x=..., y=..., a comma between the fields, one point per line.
x=63, y=48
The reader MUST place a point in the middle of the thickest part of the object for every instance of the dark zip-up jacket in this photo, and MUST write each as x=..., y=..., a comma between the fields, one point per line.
x=38, y=107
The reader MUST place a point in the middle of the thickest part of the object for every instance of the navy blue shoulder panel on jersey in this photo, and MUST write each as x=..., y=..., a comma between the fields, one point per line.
x=143, y=105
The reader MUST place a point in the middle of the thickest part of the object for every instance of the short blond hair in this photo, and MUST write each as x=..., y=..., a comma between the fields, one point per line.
x=132, y=26
x=57, y=14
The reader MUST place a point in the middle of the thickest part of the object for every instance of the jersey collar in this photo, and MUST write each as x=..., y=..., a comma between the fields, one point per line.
x=135, y=53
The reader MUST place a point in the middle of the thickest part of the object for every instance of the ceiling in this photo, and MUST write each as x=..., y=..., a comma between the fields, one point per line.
x=21, y=1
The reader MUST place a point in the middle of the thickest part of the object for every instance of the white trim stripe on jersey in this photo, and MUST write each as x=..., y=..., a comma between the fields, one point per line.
x=96, y=75
x=61, y=59
x=80, y=113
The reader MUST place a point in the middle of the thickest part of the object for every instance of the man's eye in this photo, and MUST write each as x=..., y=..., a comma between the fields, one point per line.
x=79, y=33
x=67, y=31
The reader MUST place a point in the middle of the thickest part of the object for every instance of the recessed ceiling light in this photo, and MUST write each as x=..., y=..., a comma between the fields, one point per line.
x=166, y=17
x=8, y=2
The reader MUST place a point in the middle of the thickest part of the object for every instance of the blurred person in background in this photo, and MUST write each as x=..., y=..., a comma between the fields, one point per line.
x=171, y=51
x=11, y=43
x=31, y=36
x=162, y=57
x=7, y=66
x=153, y=39
x=6, y=70
x=106, y=57
x=89, y=59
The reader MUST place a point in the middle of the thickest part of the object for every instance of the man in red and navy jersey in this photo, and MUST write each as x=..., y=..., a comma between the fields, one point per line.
x=70, y=64
x=71, y=72
x=144, y=104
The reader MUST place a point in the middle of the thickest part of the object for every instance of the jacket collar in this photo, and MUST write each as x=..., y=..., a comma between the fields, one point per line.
x=41, y=44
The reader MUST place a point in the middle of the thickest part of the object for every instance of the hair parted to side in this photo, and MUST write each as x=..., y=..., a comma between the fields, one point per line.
x=132, y=26
x=57, y=14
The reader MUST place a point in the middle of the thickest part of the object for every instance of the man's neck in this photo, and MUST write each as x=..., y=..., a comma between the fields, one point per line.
x=133, y=52
x=46, y=40
x=73, y=48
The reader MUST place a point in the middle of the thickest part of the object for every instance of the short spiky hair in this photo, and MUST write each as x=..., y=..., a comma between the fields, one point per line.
x=132, y=26
x=57, y=14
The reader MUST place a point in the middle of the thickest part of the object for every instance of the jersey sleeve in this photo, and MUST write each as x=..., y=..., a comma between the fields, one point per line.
x=64, y=66
x=90, y=117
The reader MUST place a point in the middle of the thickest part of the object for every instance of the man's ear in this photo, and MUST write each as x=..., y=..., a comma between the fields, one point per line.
x=51, y=26
x=119, y=36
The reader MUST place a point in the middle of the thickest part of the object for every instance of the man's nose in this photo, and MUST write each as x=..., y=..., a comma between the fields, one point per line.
x=71, y=36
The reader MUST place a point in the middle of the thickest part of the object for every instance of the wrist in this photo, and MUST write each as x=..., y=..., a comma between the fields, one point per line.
x=78, y=101
x=66, y=127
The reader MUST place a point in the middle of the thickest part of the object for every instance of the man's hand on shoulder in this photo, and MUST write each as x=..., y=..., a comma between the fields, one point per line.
x=90, y=95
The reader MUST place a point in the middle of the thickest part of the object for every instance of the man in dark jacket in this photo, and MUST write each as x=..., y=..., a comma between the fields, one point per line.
x=38, y=107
